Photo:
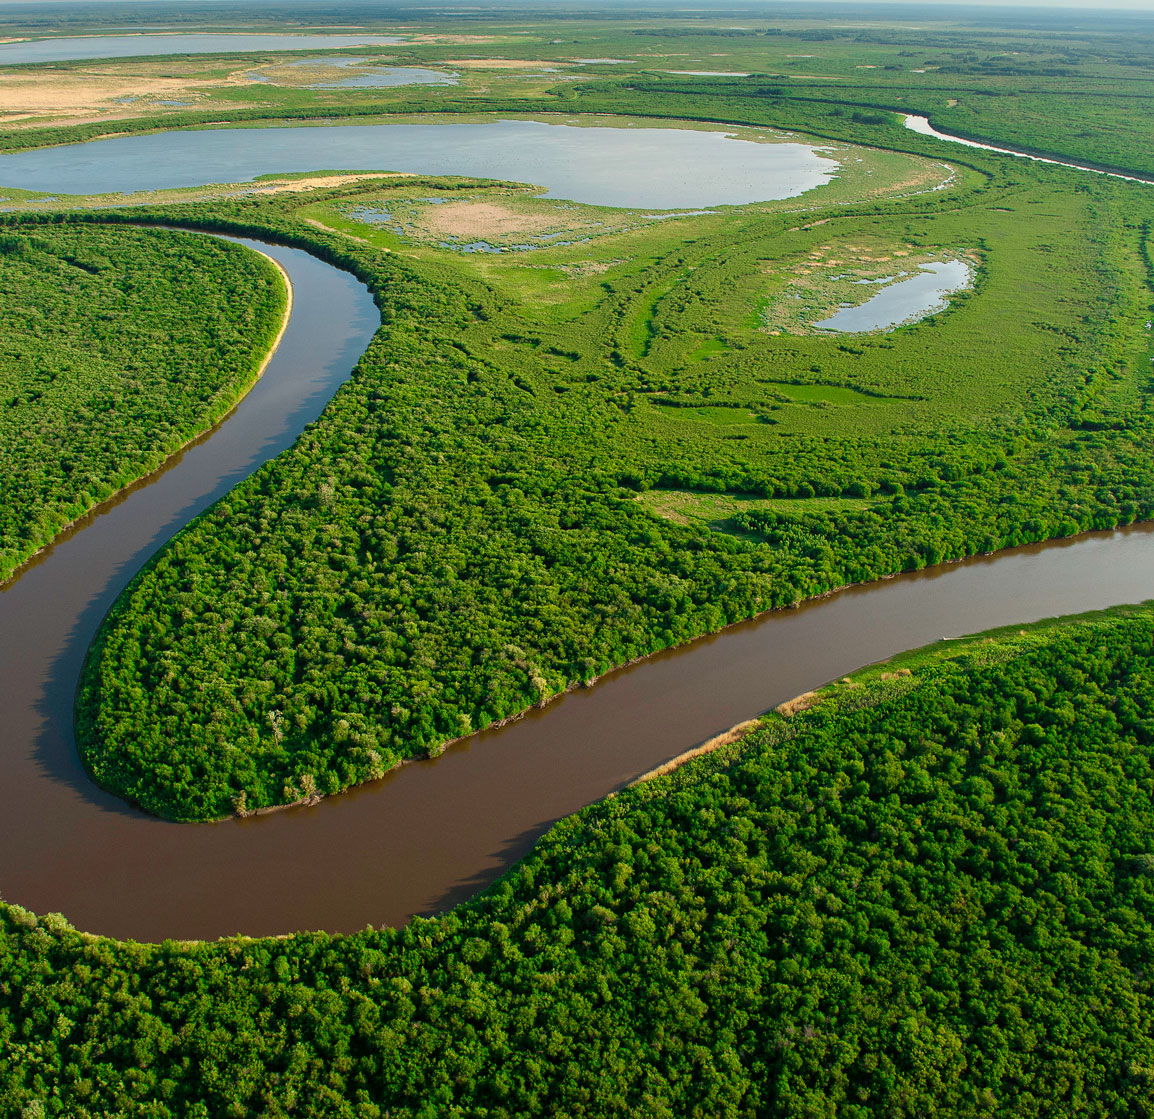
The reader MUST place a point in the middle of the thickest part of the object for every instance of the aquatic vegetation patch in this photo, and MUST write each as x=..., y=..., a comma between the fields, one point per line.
x=807, y=293
x=487, y=219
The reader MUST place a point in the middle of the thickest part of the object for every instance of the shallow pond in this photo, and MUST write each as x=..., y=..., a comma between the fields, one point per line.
x=663, y=168
x=903, y=302
x=367, y=76
x=134, y=46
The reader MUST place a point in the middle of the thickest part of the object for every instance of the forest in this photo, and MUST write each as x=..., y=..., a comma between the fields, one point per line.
x=931, y=893
x=118, y=346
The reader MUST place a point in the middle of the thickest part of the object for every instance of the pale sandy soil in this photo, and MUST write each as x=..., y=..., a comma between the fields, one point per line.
x=483, y=219
x=318, y=182
x=67, y=93
x=77, y=93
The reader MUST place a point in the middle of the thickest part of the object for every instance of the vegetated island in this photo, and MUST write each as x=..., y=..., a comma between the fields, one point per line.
x=553, y=461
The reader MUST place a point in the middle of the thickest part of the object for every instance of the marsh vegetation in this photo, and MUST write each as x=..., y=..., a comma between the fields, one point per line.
x=925, y=889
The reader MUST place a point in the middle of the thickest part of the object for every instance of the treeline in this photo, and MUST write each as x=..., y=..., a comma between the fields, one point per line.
x=118, y=346
x=928, y=897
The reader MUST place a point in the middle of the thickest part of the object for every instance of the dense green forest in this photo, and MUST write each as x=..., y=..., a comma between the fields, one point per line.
x=118, y=345
x=929, y=894
x=475, y=525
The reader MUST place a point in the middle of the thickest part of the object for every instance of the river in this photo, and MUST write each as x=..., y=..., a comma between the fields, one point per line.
x=431, y=833
x=922, y=126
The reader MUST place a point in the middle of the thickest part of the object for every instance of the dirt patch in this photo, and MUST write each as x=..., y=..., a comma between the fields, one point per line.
x=484, y=219
x=82, y=93
x=319, y=182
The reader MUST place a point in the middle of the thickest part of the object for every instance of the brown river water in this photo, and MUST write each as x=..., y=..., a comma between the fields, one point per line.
x=429, y=834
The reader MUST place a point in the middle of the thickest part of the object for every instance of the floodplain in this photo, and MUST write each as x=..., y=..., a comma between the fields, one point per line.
x=605, y=415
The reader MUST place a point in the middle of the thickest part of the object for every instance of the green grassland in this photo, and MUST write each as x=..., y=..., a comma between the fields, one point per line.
x=118, y=346
x=460, y=532
x=932, y=892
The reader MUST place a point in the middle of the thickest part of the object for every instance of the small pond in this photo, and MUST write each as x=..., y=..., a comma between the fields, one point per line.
x=364, y=76
x=662, y=168
x=134, y=46
x=905, y=301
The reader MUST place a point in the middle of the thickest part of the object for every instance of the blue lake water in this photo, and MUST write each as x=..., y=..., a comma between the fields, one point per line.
x=134, y=46
x=906, y=301
x=661, y=168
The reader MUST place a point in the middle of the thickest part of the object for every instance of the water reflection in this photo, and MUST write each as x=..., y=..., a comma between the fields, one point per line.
x=136, y=46
x=903, y=301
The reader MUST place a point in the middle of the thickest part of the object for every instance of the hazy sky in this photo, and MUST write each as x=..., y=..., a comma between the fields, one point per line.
x=674, y=5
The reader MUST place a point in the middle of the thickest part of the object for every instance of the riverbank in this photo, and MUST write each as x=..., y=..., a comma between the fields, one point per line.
x=933, y=849
x=118, y=376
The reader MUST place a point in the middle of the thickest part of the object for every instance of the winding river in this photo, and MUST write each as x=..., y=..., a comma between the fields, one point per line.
x=432, y=833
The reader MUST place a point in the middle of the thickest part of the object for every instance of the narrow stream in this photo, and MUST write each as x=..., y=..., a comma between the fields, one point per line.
x=922, y=126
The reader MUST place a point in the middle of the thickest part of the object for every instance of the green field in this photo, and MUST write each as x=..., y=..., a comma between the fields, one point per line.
x=118, y=346
x=465, y=514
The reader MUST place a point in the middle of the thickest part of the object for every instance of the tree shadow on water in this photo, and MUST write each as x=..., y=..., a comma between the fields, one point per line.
x=510, y=852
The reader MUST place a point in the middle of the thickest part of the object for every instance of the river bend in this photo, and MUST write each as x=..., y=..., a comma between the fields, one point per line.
x=430, y=834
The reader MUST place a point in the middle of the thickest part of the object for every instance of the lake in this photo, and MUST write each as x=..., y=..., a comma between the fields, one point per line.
x=905, y=301
x=662, y=168
x=135, y=46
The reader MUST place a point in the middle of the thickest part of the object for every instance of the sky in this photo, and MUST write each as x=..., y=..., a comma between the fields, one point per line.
x=1088, y=5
